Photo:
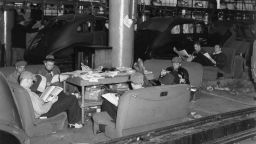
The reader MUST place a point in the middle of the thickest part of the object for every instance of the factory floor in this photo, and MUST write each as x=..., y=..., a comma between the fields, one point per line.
x=209, y=100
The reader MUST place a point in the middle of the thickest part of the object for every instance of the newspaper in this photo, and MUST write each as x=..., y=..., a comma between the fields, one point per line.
x=210, y=58
x=111, y=97
x=207, y=55
x=59, y=78
x=50, y=92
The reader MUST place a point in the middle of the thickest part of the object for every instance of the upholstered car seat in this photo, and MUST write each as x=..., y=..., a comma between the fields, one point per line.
x=146, y=109
x=232, y=69
x=31, y=125
x=195, y=70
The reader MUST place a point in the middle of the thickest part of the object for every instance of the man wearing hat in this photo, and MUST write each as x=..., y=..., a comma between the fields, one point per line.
x=19, y=68
x=175, y=74
x=58, y=104
x=50, y=70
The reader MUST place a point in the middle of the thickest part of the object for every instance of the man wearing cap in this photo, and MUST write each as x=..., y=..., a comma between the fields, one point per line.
x=19, y=68
x=175, y=74
x=59, y=104
x=50, y=71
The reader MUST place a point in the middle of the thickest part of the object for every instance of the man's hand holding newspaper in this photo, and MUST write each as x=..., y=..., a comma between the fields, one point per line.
x=59, y=78
x=51, y=94
x=53, y=99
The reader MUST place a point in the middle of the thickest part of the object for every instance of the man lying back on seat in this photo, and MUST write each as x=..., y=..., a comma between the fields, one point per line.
x=175, y=74
x=60, y=103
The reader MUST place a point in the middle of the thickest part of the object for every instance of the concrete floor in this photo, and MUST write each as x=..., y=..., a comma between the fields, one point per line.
x=207, y=103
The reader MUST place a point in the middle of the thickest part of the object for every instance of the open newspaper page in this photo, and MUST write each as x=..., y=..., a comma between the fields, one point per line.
x=50, y=92
x=207, y=55
x=111, y=97
x=59, y=78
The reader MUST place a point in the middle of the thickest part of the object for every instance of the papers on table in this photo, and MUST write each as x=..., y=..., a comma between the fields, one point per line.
x=111, y=97
x=74, y=73
x=91, y=77
x=94, y=76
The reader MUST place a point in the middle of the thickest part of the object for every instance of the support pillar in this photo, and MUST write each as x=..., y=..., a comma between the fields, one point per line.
x=7, y=27
x=1, y=36
x=121, y=31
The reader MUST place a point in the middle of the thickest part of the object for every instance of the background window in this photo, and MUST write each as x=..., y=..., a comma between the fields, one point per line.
x=175, y=29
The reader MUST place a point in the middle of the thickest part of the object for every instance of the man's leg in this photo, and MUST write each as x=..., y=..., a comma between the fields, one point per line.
x=109, y=108
x=66, y=103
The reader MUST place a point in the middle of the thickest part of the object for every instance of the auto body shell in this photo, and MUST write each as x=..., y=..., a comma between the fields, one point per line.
x=154, y=39
x=61, y=33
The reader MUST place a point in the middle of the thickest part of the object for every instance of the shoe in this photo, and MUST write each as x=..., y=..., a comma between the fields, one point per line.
x=76, y=125
x=139, y=66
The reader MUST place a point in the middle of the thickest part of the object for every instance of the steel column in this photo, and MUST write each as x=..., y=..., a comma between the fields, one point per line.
x=121, y=34
x=7, y=27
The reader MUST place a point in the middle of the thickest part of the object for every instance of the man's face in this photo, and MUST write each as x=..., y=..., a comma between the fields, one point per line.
x=49, y=65
x=20, y=69
x=217, y=48
x=176, y=66
x=197, y=47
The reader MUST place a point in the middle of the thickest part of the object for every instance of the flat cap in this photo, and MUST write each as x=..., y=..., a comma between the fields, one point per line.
x=20, y=63
x=49, y=58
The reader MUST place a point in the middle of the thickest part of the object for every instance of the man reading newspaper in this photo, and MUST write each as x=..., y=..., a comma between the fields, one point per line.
x=53, y=74
x=53, y=106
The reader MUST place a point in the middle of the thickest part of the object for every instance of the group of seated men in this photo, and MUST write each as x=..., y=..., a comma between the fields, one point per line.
x=32, y=83
x=175, y=74
x=217, y=58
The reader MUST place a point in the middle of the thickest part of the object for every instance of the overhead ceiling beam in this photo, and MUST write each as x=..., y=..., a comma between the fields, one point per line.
x=52, y=1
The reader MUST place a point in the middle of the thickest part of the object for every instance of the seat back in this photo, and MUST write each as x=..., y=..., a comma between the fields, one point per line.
x=149, y=108
x=253, y=61
x=230, y=57
x=232, y=68
x=195, y=70
x=9, y=114
x=25, y=107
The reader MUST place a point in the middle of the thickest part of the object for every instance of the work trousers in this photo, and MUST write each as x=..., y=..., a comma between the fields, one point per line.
x=66, y=103
x=109, y=108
